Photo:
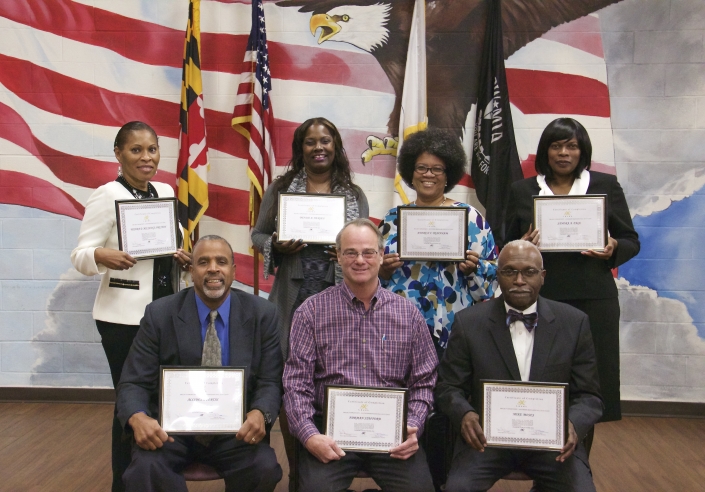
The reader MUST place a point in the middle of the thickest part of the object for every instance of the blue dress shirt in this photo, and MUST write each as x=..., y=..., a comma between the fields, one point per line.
x=222, y=325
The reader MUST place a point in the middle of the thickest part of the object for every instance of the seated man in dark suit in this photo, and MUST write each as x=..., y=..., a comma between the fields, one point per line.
x=209, y=325
x=552, y=343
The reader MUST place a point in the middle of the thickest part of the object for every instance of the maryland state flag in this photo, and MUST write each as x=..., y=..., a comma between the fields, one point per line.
x=495, y=161
x=192, y=166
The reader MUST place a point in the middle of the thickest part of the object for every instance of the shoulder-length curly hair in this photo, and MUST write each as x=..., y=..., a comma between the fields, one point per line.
x=558, y=130
x=440, y=143
x=340, y=168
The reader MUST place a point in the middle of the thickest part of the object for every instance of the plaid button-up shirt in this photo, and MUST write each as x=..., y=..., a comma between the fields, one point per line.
x=335, y=341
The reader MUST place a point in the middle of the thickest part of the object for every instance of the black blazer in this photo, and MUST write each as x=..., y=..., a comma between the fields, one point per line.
x=573, y=275
x=170, y=334
x=480, y=347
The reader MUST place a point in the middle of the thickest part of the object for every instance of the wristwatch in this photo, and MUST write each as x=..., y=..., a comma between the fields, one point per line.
x=266, y=415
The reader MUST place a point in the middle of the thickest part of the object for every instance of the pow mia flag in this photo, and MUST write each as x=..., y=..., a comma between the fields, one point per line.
x=495, y=161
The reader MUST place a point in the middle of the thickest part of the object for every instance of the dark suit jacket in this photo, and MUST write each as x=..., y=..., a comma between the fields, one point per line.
x=480, y=347
x=573, y=275
x=170, y=334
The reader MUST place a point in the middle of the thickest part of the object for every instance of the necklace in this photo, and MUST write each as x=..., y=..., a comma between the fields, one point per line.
x=313, y=186
x=138, y=194
x=439, y=205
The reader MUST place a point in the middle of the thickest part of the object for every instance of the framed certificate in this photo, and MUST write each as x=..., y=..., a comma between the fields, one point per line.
x=432, y=233
x=526, y=415
x=571, y=222
x=199, y=400
x=147, y=228
x=316, y=219
x=365, y=419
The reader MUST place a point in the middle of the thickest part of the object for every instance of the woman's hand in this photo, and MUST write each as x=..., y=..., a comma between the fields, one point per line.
x=183, y=258
x=332, y=253
x=114, y=259
x=532, y=235
x=472, y=261
x=389, y=265
x=606, y=254
x=288, y=248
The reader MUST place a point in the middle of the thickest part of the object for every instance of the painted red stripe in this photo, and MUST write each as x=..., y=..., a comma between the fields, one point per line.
x=539, y=92
x=584, y=34
x=153, y=44
x=29, y=191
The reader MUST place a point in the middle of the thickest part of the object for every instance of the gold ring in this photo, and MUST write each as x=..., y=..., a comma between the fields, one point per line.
x=253, y=439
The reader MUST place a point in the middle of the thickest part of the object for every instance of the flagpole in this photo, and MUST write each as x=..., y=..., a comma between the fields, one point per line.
x=257, y=200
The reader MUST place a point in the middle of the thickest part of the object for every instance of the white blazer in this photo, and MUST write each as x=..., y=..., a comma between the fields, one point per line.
x=114, y=303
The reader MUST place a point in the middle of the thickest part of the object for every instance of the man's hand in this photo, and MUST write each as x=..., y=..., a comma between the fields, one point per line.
x=471, y=263
x=253, y=430
x=406, y=449
x=607, y=253
x=471, y=431
x=148, y=433
x=114, y=259
x=570, y=444
x=324, y=448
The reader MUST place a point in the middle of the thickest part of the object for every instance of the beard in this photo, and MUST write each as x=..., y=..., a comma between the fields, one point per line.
x=212, y=292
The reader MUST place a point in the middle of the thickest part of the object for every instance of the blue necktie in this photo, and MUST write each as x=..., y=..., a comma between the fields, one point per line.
x=529, y=320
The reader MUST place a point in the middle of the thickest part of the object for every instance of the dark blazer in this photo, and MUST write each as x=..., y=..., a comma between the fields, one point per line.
x=170, y=334
x=480, y=347
x=573, y=275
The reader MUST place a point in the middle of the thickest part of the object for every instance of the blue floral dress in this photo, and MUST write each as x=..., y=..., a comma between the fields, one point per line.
x=438, y=288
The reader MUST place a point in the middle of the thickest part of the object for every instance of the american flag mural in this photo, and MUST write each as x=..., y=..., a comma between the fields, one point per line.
x=72, y=72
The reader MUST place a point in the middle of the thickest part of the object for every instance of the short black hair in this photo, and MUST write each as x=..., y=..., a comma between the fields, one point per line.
x=440, y=143
x=214, y=237
x=132, y=126
x=558, y=130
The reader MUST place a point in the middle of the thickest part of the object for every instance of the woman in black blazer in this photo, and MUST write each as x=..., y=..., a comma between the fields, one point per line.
x=584, y=279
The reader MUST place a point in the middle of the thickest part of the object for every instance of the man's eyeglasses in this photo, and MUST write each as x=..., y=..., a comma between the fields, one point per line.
x=437, y=170
x=352, y=255
x=525, y=273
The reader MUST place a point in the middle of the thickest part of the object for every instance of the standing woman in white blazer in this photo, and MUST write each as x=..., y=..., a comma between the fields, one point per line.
x=126, y=285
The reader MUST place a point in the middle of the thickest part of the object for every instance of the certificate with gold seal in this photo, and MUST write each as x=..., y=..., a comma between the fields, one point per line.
x=365, y=419
x=317, y=219
x=525, y=415
x=571, y=222
x=147, y=228
x=200, y=400
x=432, y=233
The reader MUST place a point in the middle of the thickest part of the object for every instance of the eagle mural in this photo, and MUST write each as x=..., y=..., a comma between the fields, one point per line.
x=454, y=37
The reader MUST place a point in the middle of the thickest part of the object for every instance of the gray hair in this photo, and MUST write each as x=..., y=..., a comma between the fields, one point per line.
x=522, y=243
x=360, y=223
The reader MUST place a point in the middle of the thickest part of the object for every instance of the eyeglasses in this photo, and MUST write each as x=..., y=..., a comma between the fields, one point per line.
x=352, y=255
x=437, y=170
x=525, y=273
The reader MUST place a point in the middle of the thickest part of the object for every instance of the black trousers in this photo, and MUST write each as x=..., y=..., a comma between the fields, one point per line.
x=245, y=467
x=117, y=340
x=473, y=471
x=604, y=326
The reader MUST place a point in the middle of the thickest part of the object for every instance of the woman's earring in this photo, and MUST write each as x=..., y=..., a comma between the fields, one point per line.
x=119, y=173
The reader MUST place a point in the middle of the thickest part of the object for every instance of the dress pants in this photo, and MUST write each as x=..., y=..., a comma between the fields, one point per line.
x=245, y=467
x=117, y=340
x=472, y=471
x=392, y=475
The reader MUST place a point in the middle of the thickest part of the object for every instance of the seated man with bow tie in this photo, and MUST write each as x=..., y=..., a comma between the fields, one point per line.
x=522, y=337
x=207, y=325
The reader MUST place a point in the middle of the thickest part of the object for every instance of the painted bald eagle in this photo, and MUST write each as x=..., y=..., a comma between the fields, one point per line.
x=454, y=37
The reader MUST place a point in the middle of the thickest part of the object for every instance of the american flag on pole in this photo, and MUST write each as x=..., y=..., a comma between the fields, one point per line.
x=252, y=116
x=73, y=72
x=192, y=166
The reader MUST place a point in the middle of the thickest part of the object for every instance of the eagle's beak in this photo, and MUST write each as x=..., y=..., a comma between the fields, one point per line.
x=329, y=27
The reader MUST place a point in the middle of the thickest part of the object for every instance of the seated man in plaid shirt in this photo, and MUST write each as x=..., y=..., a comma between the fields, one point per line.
x=358, y=333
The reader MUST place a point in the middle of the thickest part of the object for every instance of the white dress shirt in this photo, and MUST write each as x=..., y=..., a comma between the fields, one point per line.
x=523, y=341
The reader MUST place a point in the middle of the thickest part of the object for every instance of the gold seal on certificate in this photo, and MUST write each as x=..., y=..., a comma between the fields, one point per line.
x=571, y=222
x=198, y=400
x=526, y=415
x=432, y=233
x=316, y=219
x=147, y=228
x=365, y=419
